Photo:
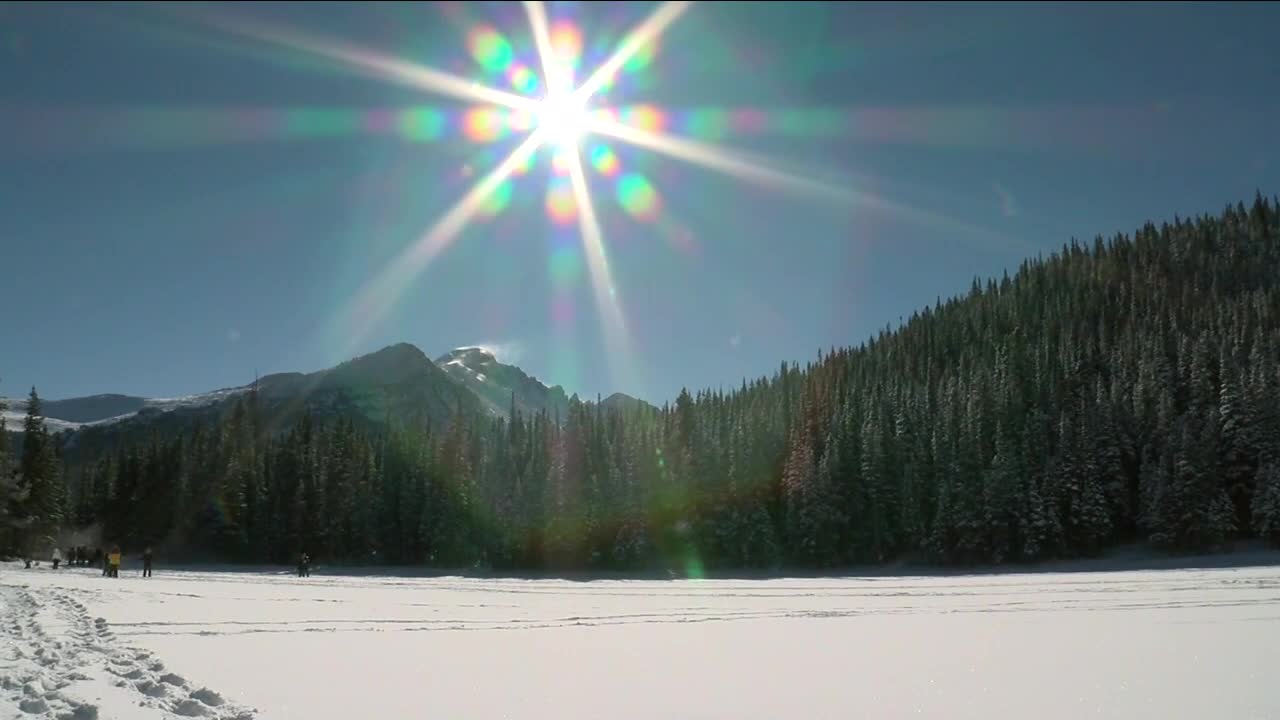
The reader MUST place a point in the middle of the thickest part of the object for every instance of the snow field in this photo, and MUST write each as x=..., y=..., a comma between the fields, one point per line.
x=1168, y=644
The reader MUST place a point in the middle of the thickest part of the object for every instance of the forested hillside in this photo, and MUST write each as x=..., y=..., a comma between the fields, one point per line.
x=1120, y=390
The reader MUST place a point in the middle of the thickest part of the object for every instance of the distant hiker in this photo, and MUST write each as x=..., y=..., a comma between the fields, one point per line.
x=57, y=558
x=106, y=566
x=146, y=563
x=304, y=565
x=114, y=560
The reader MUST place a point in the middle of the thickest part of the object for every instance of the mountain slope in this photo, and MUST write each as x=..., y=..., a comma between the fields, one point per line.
x=398, y=380
x=86, y=409
x=625, y=404
x=499, y=386
x=398, y=384
x=74, y=413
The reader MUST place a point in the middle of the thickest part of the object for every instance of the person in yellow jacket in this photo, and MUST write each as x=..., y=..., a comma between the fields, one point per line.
x=114, y=561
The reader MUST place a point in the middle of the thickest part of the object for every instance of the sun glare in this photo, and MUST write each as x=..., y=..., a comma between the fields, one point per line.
x=562, y=119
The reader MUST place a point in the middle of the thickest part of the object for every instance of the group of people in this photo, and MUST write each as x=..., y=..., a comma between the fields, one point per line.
x=82, y=557
x=77, y=556
x=110, y=561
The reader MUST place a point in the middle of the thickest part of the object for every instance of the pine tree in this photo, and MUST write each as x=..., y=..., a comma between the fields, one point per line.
x=12, y=495
x=1193, y=511
x=44, y=494
x=1266, y=503
x=1000, y=501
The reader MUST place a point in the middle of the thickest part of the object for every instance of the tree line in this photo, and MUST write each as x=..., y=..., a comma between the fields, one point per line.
x=1127, y=390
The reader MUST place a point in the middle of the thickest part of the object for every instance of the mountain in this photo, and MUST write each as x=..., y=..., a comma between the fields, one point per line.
x=397, y=383
x=625, y=404
x=75, y=413
x=500, y=386
x=87, y=409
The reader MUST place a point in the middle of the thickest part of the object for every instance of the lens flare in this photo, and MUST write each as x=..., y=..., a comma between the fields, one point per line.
x=561, y=206
x=708, y=124
x=566, y=265
x=521, y=121
x=605, y=161
x=490, y=49
x=566, y=44
x=644, y=117
x=643, y=57
x=562, y=311
x=498, y=200
x=317, y=122
x=523, y=79
x=749, y=121
x=637, y=196
x=421, y=124
x=484, y=125
x=524, y=166
x=561, y=161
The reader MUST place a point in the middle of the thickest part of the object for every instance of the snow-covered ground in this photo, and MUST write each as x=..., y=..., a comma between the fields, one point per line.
x=1151, y=644
x=14, y=422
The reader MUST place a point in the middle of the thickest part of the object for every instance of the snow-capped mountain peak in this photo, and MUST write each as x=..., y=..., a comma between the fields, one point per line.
x=474, y=357
x=500, y=386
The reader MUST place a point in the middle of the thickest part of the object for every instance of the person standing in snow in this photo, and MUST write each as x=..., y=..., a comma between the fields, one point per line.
x=114, y=560
x=304, y=565
x=57, y=558
x=146, y=563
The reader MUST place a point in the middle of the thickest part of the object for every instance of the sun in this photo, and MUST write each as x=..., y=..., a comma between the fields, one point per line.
x=562, y=119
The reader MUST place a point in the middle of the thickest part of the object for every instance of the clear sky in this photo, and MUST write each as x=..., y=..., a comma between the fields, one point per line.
x=181, y=206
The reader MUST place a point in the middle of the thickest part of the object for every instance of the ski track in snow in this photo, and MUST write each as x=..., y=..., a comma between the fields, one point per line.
x=59, y=662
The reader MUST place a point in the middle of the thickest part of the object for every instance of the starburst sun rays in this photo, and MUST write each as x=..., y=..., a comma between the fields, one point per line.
x=560, y=117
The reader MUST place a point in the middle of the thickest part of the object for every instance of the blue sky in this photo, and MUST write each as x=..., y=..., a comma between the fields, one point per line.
x=147, y=249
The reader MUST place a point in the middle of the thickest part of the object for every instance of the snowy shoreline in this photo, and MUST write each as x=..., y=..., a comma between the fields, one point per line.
x=1123, y=559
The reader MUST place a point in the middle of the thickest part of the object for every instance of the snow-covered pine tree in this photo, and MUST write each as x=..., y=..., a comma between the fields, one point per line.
x=1001, y=491
x=1266, y=503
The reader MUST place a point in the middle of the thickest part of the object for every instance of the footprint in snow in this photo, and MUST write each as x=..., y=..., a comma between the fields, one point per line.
x=192, y=708
x=34, y=706
x=152, y=689
x=208, y=697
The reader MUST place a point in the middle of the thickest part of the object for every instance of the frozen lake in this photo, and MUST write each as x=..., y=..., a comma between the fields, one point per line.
x=1166, y=644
